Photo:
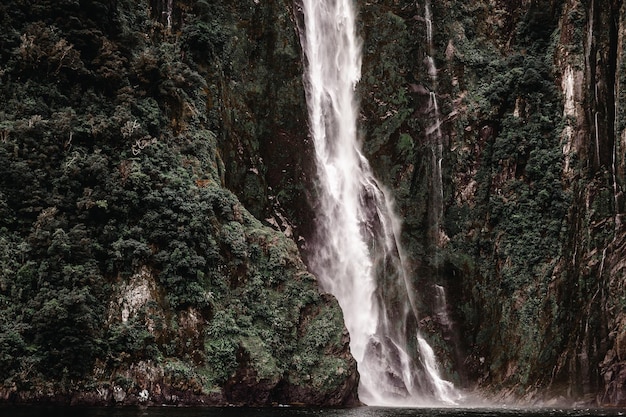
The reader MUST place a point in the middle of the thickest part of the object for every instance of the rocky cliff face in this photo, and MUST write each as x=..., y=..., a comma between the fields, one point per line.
x=156, y=194
x=528, y=240
x=129, y=272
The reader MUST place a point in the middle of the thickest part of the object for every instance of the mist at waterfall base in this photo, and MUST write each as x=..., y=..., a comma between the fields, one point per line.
x=357, y=256
x=299, y=412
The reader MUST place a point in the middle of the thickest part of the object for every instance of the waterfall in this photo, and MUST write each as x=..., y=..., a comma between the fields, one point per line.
x=443, y=389
x=441, y=308
x=356, y=255
x=434, y=137
x=168, y=15
x=570, y=113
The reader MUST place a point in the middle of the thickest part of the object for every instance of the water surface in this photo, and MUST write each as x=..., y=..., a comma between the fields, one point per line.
x=300, y=412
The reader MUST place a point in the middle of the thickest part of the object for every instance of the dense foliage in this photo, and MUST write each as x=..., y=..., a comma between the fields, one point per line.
x=121, y=248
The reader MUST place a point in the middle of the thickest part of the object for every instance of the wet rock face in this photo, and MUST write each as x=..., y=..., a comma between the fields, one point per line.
x=263, y=115
x=530, y=102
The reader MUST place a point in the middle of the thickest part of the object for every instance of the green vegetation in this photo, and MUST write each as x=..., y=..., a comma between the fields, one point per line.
x=119, y=243
x=140, y=156
x=507, y=206
x=520, y=198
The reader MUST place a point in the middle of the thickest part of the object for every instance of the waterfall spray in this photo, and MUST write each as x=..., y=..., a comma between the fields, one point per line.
x=357, y=256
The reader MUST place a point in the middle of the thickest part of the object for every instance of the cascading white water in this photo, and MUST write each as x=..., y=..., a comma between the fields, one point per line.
x=428, y=17
x=443, y=389
x=356, y=256
x=434, y=136
x=441, y=307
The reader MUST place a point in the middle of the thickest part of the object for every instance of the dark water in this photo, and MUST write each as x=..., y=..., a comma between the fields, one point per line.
x=300, y=412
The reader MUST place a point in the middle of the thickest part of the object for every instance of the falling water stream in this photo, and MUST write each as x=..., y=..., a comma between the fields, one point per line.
x=357, y=256
x=434, y=136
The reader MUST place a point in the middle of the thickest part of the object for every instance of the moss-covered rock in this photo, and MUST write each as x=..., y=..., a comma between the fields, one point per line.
x=130, y=273
x=530, y=99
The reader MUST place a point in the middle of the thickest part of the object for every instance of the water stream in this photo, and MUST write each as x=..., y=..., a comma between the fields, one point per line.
x=434, y=137
x=357, y=256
